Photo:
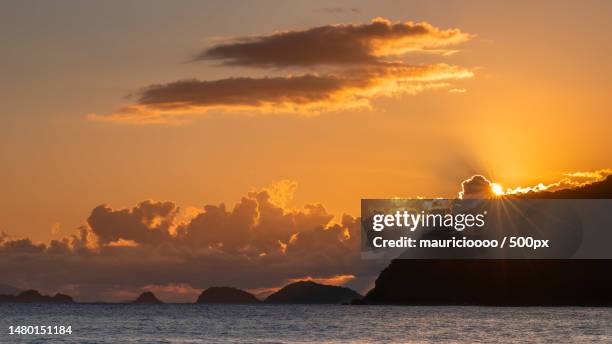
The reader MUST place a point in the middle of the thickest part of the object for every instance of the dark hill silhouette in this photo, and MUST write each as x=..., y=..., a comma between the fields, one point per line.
x=494, y=283
x=62, y=298
x=501, y=282
x=147, y=298
x=227, y=295
x=33, y=296
x=308, y=292
x=6, y=289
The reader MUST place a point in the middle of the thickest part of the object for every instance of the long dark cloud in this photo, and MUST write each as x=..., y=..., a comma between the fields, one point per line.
x=333, y=45
x=347, y=67
x=308, y=94
x=303, y=89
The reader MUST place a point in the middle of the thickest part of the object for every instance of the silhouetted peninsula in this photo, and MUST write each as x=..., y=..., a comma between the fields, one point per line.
x=494, y=283
x=33, y=296
x=226, y=295
x=147, y=298
x=308, y=292
x=501, y=282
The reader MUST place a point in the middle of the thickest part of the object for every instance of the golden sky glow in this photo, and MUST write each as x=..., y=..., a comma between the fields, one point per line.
x=202, y=103
x=536, y=106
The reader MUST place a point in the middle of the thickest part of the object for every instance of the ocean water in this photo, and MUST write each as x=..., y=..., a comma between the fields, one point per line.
x=176, y=323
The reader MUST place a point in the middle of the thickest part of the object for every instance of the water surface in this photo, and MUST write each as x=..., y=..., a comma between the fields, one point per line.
x=176, y=323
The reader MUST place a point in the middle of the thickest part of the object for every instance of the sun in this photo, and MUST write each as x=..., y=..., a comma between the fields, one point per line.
x=497, y=189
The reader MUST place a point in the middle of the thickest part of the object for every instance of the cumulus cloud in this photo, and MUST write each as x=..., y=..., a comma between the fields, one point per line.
x=334, y=45
x=476, y=187
x=346, y=67
x=148, y=222
x=259, y=243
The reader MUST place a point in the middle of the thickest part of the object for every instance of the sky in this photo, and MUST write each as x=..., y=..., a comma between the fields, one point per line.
x=106, y=105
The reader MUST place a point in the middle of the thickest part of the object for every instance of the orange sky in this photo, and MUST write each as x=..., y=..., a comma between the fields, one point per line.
x=536, y=106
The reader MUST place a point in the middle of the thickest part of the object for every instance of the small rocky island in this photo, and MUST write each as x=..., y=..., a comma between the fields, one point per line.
x=33, y=296
x=308, y=292
x=226, y=295
x=147, y=298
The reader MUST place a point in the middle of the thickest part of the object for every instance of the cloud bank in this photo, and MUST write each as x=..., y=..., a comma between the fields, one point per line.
x=257, y=244
x=322, y=69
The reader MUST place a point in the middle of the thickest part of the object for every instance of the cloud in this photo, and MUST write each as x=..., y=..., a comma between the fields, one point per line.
x=476, y=187
x=148, y=222
x=570, y=180
x=480, y=187
x=590, y=175
x=123, y=243
x=306, y=94
x=258, y=243
x=332, y=68
x=56, y=228
x=332, y=280
x=172, y=292
x=334, y=45
x=22, y=246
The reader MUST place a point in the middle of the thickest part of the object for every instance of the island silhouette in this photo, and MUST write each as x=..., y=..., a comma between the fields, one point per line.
x=302, y=292
x=309, y=292
x=226, y=295
x=33, y=296
x=147, y=298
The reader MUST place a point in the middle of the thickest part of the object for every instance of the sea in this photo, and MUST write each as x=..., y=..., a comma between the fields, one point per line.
x=193, y=323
